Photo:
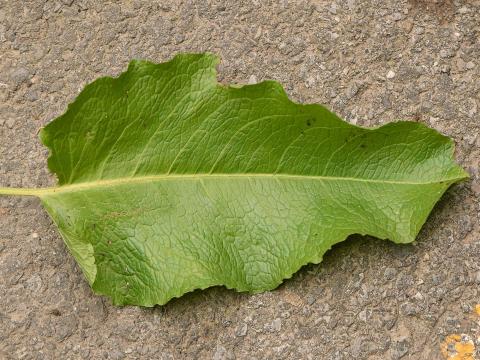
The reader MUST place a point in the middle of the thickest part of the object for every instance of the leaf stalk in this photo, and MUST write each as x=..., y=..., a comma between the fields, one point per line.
x=21, y=191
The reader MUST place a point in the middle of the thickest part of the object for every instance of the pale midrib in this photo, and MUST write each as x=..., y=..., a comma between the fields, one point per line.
x=155, y=178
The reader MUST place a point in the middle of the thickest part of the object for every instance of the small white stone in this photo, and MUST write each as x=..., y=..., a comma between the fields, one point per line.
x=391, y=74
x=10, y=122
x=241, y=330
x=334, y=35
x=418, y=296
x=310, y=82
x=333, y=9
x=444, y=54
x=419, y=30
x=35, y=235
x=362, y=315
x=252, y=79
x=277, y=324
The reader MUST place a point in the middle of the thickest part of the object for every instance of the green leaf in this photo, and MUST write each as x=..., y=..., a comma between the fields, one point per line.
x=171, y=182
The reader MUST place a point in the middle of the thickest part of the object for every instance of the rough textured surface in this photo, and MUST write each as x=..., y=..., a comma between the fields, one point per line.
x=369, y=61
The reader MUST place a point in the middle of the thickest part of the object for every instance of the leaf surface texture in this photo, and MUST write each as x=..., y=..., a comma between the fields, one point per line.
x=171, y=182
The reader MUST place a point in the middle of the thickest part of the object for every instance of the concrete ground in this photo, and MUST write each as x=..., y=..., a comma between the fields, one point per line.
x=371, y=61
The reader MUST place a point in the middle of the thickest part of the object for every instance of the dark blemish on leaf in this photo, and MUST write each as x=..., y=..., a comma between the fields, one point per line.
x=109, y=242
x=363, y=146
x=310, y=121
x=94, y=226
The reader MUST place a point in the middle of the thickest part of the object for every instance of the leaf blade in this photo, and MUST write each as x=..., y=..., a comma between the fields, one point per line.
x=171, y=182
